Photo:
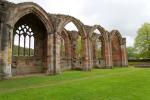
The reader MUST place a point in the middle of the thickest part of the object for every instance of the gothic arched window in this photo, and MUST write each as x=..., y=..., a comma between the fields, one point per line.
x=23, y=41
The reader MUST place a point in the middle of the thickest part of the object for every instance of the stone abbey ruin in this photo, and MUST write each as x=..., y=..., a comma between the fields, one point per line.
x=31, y=42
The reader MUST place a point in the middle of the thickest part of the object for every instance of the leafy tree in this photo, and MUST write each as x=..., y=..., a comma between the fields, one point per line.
x=142, y=41
x=132, y=53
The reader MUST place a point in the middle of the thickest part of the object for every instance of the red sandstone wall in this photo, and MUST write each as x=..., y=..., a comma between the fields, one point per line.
x=116, y=52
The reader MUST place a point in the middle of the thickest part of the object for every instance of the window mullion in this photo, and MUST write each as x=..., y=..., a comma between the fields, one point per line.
x=19, y=46
x=29, y=44
x=24, y=45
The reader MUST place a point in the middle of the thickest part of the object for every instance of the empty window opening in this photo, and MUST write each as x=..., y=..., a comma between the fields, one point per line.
x=23, y=41
x=71, y=27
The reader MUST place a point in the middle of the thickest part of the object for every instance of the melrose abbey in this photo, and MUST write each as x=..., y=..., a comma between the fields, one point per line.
x=35, y=41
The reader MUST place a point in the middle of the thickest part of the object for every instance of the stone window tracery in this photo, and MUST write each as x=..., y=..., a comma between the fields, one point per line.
x=23, y=41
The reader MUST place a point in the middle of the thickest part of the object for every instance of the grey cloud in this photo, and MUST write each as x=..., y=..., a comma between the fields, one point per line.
x=125, y=15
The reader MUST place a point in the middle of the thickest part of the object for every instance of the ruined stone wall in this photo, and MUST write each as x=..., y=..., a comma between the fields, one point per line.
x=48, y=29
x=116, y=52
x=25, y=65
x=31, y=64
x=106, y=45
x=36, y=63
x=124, y=53
x=98, y=62
x=59, y=23
x=118, y=48
x=5, y=59
x=71, y=61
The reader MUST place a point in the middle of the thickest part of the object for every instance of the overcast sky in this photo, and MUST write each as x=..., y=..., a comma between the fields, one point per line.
x=125, y=15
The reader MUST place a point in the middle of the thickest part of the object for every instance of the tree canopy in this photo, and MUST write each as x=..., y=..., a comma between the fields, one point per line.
x=132, y=53
x=142, y=41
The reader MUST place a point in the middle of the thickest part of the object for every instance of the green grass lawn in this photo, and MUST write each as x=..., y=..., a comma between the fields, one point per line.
x=99, y=84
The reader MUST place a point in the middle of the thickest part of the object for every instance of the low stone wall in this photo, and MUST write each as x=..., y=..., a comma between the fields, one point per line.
x=145, y=63
x=26, y=65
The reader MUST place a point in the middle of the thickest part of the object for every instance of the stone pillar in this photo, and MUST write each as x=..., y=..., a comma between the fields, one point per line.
x=6, y=50
x=0, y=49
x=57, y=44
x=108, y=54
x=124, y=53
x=50, y=54
x=94, y=53
x=91, y=53
x=86, y=57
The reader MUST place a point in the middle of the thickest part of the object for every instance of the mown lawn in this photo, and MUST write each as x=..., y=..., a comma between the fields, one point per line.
x=100, y=84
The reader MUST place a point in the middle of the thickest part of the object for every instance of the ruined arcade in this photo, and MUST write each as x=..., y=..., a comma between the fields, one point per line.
x=31, y=41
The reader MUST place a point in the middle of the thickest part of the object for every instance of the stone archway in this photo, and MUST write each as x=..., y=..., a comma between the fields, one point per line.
x=98, y=55
x=15, y=13
x=60, y=26
x=106, y=51
x=65, y=51
x=116, y=42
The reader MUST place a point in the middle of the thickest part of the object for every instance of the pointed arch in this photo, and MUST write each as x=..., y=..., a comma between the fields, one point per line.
x=116, y=42
x=66, y=20
x=103, y=36
x=114, y=33
x=63, y=21
x=17, y=12
x=101, y=30
x=21, y=9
